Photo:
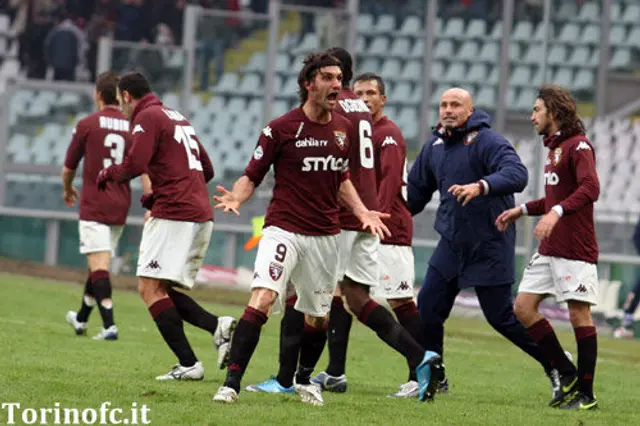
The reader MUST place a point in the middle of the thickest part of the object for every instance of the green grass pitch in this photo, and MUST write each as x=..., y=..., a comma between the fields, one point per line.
x=492, y=382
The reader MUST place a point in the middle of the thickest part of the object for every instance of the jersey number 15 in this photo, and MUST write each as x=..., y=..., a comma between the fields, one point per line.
x=185, y=135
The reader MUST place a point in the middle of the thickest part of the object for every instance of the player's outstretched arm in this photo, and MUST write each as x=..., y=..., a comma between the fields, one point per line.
x=371, y=220
x=421, y=183
x=232, y=200
x=69, y=193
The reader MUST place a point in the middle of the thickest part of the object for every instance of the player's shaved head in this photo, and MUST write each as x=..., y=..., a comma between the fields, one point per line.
x=457, y=93
x=456, y=106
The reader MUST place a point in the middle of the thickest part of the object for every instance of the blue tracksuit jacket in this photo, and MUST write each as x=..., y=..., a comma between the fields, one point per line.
x=471, y=248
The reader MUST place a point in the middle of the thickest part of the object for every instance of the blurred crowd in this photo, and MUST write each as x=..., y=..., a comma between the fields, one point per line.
x=63, y=35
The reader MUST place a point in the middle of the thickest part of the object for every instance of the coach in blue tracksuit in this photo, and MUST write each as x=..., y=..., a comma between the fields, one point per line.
x=476, y=171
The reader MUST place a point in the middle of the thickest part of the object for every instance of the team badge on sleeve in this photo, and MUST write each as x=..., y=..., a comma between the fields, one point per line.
x=258, y=153
x=275, y=271
x=557, y=156
x=341, y=139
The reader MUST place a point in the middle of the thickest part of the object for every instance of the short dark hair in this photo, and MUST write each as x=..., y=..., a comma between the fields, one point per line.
x=347, y=63
x=312, y=63
x=135, y=83
x=106, y=85
x=562, y=107
x=372, y=76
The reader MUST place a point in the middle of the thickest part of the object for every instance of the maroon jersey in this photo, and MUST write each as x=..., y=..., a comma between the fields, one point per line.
x=310, y=161
x=102, y=139
x=391, y=177
x=571, y=181
x=166, y=147
x=361, y=156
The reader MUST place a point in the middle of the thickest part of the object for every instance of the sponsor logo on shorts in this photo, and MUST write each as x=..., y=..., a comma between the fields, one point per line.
x=275, y=271
x=154, y=265
x=404, y=286
x=581, y=289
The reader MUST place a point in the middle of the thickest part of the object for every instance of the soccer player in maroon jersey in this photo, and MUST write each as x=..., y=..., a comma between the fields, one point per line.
x=102, y=139
x=395, y=253
x=176, y=236
x=358, y=269
x=308, y=148
x=565, y=264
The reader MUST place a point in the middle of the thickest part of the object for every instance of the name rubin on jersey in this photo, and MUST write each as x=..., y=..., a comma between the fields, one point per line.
x=115, y=124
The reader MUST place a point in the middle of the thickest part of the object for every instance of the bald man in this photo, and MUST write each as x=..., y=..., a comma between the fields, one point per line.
x=476, y=171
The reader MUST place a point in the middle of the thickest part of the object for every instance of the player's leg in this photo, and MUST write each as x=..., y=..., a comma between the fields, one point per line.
x=536, y=284
x=291, y=327
x=221, y=328
x=396, y=285
x=435, y=302
x=497, y=305
x=276, y=259
x=340, y=321
x=97, y=242
x=362, y=273
x=78, y=320
x=625, y=331
x=101, y=286
x=154, y=293
x=334, y=379
x=579, y=290
x=315, y=281
x=167, y=251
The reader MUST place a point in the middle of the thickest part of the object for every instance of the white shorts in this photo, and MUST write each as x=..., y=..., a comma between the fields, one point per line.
x=97, y=237
x=358, y=258
x=173, y=250
x=308, y=262
x=397, y=272
x=564, y=279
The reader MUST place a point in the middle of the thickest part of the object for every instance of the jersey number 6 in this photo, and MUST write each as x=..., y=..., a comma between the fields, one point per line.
x=366, y=144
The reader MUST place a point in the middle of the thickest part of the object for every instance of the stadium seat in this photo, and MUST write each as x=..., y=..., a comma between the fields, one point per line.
x=444, y=50
x=631, y=14
x=456, y=73
x=557, y=55
x=379, y=47
x=617, y=36
x=521, y=76
x=591, y=35
x=486, y=98
x=417, y=51
x=454, y=28
x=411, y=26
x=364, y=23
x=469, y=49
x=621, y=60
x=579, y=56
x=589, y=12
x=385, y=24
x=390, y=69
x=250, y=84
x=490, y=52
x=401, y=47
x=522, y=32
x=477, y=73
x=412, y=70
x=477, y=29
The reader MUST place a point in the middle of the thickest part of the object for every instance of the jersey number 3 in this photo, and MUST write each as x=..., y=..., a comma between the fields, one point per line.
x=366, y=144
x=185, y=135
x=115, y=143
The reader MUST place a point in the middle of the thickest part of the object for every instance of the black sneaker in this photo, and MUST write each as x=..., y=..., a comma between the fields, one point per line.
x=563, y=387
x=581, y=401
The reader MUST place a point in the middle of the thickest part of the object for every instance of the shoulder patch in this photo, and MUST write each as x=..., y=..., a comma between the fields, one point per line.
x=583, y=145
x=389, y=140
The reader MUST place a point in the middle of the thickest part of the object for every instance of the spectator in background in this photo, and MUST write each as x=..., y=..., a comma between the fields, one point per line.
x=42, y=17
x=101, y=23
x=632, y=301
x=64, y=48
